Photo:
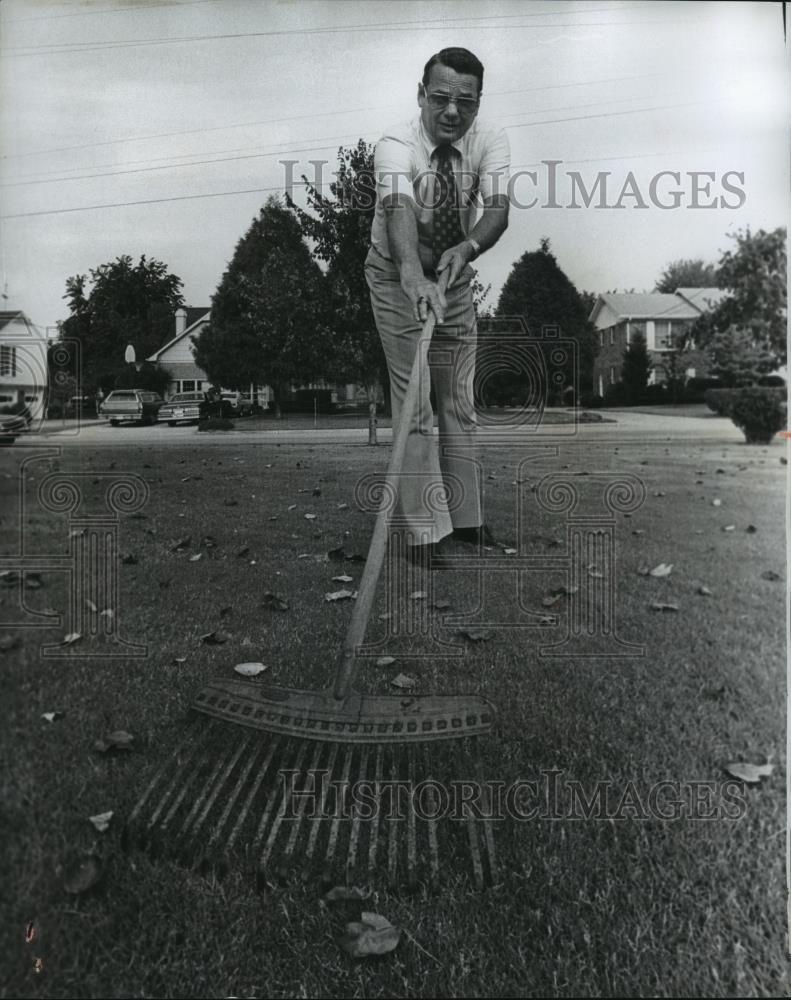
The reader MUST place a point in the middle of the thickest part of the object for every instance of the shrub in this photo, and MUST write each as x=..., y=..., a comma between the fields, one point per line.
x=653, y=394
x=758, y=412
x=696, y=388
x=569, y=396
x=719, y=401
x=616, y=395
x=216, y=424
x=591, y=400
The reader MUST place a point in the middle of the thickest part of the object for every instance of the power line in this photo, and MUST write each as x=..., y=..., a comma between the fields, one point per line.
x=108, y=10
x=314, y=114
x=382, y=28
x=249, y=153
x=222, y=194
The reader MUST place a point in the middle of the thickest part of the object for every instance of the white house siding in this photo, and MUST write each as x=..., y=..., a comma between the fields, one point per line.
x=23, y=363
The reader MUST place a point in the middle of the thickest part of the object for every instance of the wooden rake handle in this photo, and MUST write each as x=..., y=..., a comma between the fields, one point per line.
x=347, y=667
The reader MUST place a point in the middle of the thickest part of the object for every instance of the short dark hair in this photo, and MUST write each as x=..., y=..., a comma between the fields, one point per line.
x=460, y=60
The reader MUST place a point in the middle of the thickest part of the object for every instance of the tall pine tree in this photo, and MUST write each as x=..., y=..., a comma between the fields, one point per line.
x=267, y=313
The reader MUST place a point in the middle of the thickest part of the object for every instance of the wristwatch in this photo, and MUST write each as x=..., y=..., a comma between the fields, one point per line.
x=476, y=247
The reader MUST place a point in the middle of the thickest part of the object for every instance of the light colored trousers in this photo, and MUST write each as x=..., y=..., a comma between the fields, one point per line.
x=439, y=487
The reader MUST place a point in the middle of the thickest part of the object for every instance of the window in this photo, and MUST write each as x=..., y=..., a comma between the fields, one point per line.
x=612, y=335
x=7, y=360
x=601, y=338
x=188, y=385
x=690, y=372
x=612, y=374
x=663, y=336
x=636, y=328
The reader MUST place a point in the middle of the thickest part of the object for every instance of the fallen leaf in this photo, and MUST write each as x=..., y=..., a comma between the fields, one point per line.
x=550, y=600
x=215, y=638
x=386, y=616
x=208, y=542
x=372, y=935
x=417, y=595
x=659, y=606
x=547, y=620
x=51, y=716
x=343, y=578
x=770, y=574
x=385, y=661
x=475, y=635
x=249, y=669
x=343, y=506
x=82, y=875
x=77, y=533
x=509, y=552
x=182, y=543
x=292, y=506
x=117, y=740
x=338, y=595
x=102, y=820
x=638, y=531
x=663, y=569
x=751, y=774
x=716, y=503
x=274, y=602
x=242, y=552
x=660, y=493
x=729, y=527
x=704, y=591
x=310, y=517
x=441, y=605
x=196, y=557
x=751, y=529
x=72, y=637
x=346, y=892
x=403, y=681
x=107, y=613
x=595, y=573
x=179, y=659
x=231, y=503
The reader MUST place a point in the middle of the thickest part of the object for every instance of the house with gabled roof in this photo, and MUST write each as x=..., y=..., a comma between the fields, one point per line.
x=661, y=318
x=23, y=361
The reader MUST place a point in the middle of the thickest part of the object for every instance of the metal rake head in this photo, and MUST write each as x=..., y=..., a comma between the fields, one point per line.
x=351, y=812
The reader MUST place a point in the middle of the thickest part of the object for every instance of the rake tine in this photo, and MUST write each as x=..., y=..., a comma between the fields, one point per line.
x=354, y=836
x=279, y=817
x=336, y=819
x=373, y=843
x=431, y=822
x=273, y=747
x=204, y=792
x=411, y=835
x=472, y=834
x=219, y=785
x=292, y=839
x=488, y=830
x=392, y=845
x=240, y=782
x=158, y=774
x=314, y=830
x=273, y=798
x=182, y=779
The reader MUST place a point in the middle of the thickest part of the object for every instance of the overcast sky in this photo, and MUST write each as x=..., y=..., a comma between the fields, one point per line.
x=157, y=128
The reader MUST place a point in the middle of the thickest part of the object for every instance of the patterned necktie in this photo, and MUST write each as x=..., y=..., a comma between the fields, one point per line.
x=447, y=231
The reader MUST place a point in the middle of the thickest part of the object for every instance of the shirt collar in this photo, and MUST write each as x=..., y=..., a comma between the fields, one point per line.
x=430, y=147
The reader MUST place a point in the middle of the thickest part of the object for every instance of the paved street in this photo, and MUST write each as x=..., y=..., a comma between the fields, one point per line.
x=621, y=426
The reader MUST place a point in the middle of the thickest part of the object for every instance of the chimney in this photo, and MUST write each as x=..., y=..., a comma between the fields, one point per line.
x=181, y=321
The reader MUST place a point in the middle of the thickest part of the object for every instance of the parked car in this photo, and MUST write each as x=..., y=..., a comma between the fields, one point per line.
x=124, y=405
x=235, y=404
x=184, y=407
x=81, y=406
x=15, y=419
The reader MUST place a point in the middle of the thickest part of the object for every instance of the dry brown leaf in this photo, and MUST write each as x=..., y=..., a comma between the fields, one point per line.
x=660, y=606
x=215, y=638
x=475, y=635
x=751, y=774
x=71, y=638
x=339, y=892
x=704, y=591
x=372, y=935
x=343, y=578
x=385, y=661
x=249, y=669
x=417, y=595
x=663, y=569
x=403, y=681
x=101, y=820
x=51, y=716
x=338, y=595
x=274, y=602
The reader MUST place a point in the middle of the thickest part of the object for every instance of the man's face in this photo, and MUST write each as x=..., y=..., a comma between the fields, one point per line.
x=449, y=123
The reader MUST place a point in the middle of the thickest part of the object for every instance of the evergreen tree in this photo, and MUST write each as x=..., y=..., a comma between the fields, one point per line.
x=267, y=314
x=539, y=292
x=636, y=368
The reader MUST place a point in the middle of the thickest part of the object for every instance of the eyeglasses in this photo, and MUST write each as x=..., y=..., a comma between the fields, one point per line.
x=464, y=105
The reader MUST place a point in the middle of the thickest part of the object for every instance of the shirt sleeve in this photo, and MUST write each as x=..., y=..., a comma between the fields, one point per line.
x=393, y=168
x=494, y=171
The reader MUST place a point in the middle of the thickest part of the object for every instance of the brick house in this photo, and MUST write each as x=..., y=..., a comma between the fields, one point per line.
x=660, y=318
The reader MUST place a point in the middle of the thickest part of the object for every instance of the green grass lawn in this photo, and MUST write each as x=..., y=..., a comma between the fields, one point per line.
x=619, y=906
